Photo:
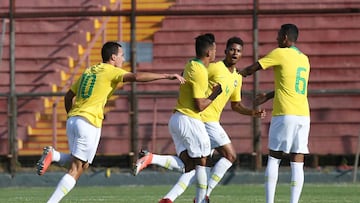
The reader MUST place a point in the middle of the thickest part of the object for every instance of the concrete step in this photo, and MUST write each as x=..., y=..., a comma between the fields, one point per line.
x=49, y=63
x=266, y=5
x=48, y=5
x=43, y=51
x=46, y=137
x=148, y=5
x=51, y=25
x=38, y=151
x=41, y=144
x=34, y=78
x=44, y=132
x=36, y=39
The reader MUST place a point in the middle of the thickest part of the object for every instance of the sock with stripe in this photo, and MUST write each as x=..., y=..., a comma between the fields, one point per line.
x=184, y=181
x=297, y=180
x=217, y=174
x=169, y=162
x=65, y=185
x=201, y=186
x=271, y=177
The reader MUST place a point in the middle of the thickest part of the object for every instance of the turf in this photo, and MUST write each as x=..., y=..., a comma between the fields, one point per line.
x=312, y=193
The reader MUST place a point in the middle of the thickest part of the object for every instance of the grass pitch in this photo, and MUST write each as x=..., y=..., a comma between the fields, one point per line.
x=312, y=193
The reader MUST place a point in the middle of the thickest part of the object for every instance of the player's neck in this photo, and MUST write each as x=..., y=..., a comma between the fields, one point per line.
x=230, y=66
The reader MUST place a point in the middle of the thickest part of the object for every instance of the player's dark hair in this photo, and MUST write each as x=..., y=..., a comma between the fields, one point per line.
x=203, y=43
x=291, y=31
x=108, y=49
x=234, y=40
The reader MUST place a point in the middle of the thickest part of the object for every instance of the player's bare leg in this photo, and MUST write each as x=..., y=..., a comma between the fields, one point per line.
x=68, y=181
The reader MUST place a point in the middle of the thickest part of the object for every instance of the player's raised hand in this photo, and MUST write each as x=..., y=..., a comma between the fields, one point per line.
x=176, y=76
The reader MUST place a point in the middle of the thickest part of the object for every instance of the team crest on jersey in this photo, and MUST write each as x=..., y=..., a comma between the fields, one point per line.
x=235, y=83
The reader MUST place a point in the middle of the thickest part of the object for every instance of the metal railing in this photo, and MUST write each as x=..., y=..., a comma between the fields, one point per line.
x=2, y=39
x=12, y=15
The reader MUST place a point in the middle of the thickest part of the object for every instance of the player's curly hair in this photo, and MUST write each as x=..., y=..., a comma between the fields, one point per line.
x=234, y=40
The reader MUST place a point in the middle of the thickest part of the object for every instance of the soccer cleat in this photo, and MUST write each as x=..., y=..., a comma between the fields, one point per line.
x=207, y=199
x=45, y=160
x=144, y=160
x=165, y=201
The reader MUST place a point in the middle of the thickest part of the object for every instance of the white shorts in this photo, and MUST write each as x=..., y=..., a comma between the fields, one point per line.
x=218, y=136
x=289, y=134
x=83, y=138
x=189, y=134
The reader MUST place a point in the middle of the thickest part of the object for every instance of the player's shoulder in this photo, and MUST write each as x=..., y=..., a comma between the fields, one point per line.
x=217, y=63
x=216, y=66
x=195, y=65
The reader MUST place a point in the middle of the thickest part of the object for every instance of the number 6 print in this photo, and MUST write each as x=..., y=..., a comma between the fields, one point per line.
x=300, y=83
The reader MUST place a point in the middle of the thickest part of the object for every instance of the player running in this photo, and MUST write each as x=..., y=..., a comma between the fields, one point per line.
x=225, y=73
x=86, y=112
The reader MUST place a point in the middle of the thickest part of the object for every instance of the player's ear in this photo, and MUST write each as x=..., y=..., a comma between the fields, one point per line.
x=113, y=57
x=286, y=38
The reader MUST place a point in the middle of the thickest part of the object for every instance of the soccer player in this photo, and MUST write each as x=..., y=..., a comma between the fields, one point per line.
x=188, y=132
x=225, y=73
x=84, y=103
x=290, y=122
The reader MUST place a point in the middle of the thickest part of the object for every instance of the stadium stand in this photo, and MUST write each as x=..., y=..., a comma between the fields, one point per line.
x=47, y=51
x=329, y=40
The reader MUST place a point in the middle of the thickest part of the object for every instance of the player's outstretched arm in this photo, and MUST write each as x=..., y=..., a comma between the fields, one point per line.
x=240, y=108
x=147, y=77
x=250, y=69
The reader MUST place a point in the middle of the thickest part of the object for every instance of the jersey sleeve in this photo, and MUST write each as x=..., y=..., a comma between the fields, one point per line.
x=271, y=59
x=117, y=78
x=118, y=75
x=198, y=79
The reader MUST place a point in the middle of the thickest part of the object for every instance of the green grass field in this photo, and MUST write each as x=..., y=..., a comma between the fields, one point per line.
x=312, y=193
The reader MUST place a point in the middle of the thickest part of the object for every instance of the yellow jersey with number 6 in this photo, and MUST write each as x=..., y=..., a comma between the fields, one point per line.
x=291, y=72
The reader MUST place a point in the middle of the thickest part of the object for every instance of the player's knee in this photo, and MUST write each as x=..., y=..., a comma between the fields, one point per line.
x=231, y=157
x=86, y=165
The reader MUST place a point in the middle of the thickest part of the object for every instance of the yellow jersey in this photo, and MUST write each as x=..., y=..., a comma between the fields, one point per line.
x=195, y=87
x=230, y=82
x=93, y=89
x=291, y=72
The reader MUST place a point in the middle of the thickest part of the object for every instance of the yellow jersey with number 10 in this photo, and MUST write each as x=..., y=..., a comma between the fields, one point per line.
x=291, y=72
x=93, y=89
